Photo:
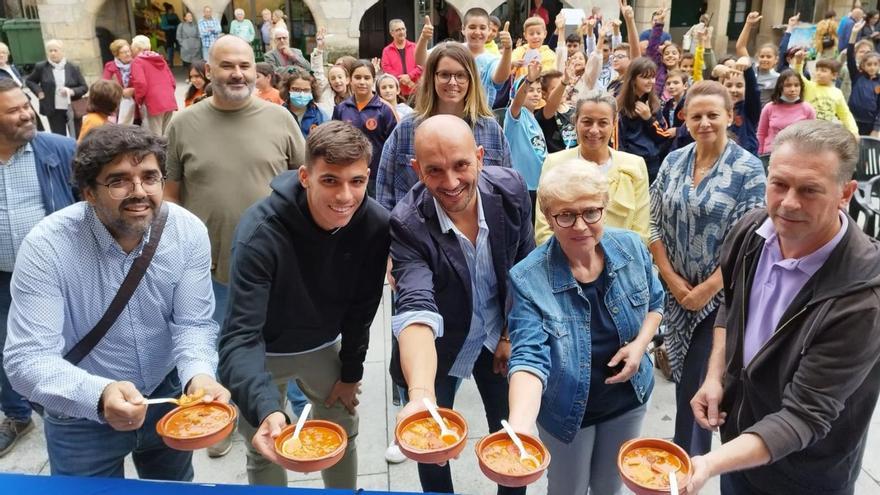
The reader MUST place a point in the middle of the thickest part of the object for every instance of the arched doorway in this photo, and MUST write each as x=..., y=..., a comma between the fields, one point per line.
x=374, y=26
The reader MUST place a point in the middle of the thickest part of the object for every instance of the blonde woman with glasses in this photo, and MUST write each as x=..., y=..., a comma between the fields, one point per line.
x=450, y=85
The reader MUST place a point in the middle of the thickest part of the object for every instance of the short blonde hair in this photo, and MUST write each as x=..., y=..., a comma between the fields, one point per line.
x=571, y=181
x=117, y=45
x=56, y=43
x=534, y=21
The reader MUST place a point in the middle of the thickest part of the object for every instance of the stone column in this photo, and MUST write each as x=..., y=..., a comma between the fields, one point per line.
x=73, y=23
x=719, y=21
x=773, y=15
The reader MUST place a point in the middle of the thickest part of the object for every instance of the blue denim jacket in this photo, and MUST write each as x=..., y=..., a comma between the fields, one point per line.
x=549, y=323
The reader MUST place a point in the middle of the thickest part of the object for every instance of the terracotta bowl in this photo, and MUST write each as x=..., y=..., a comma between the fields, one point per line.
x=438, y=455
x=656, y=443
x=200, y=441
x=513, y=480
x=311, y=465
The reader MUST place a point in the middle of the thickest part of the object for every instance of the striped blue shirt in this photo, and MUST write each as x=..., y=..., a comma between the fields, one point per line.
x=396, y=176
x=487, y=317
x=209, y=31
x=68, y=270
x=21, y=203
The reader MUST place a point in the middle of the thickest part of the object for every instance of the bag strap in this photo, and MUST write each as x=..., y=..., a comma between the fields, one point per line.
x=126, y=290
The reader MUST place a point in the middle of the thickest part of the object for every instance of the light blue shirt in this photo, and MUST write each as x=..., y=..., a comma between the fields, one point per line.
x=487, y=64
x=68, y=270
x=244, y=29
x=487, y=319
x=527, y=146
x=209, y=31
x=21, y=204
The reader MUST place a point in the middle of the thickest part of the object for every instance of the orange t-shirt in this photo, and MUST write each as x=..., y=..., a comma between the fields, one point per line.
x=271, y=95
x=89, y=122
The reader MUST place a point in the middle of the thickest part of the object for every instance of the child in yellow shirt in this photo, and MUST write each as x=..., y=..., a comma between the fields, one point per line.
x=821, y=93
x=535, y=32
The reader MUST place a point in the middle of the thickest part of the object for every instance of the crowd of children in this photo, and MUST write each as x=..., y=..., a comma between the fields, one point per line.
x=534, y=87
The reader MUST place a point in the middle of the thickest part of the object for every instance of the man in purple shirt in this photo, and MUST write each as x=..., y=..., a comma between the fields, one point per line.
x=794, y=372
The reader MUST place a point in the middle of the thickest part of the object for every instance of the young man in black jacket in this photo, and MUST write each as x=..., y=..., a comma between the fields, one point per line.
x=308, y=266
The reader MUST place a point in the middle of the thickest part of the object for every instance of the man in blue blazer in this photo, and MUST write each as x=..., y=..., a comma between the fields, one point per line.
x=35, y=172
x=453, y=239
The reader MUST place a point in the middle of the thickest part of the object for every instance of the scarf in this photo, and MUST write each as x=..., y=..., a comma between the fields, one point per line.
x=60, y=65
x=124, y=70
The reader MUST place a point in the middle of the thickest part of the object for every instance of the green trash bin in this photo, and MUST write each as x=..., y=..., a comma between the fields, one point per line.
x=25, y=41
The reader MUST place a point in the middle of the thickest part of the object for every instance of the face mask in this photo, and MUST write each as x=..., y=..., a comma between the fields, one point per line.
x=789, y=100
x=300, y=99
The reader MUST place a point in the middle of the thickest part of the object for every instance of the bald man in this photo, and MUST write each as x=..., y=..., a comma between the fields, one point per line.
x=223, y=152
x=453, y=239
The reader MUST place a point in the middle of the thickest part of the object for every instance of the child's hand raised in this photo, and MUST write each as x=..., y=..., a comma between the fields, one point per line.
x=428, y=29
x=504, y=40
x=534, y=72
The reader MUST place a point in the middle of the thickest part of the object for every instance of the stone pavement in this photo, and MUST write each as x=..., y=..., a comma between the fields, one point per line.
x=377, y=426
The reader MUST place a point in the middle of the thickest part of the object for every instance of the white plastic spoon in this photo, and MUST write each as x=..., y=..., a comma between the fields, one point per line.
x=523, y=455
x=673, y=482
x=300, y=422
x=447, y=435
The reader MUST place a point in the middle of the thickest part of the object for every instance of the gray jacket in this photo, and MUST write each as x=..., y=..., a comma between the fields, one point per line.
x=190, y=42
x=279, y=62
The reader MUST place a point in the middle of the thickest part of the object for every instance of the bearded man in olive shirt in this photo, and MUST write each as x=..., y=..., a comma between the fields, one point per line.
x=223, y=152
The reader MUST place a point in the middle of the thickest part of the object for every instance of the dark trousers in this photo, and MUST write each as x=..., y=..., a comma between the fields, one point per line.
x=12, y=404
x=79, y=447
x=688, y=434
x=493, y=392
x=58, y=122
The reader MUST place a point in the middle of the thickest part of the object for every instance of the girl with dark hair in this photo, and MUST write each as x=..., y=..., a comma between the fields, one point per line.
x=642, y=130
x=369, y=113
x=786, y=107
x=197, y=82
x=298, y=95
x=864, y=100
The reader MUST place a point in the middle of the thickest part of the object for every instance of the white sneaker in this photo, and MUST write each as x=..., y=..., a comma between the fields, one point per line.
x=393, y=455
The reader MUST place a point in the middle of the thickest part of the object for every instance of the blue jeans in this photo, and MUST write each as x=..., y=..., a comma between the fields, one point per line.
x=80, y=447
x=493, y=392
x=221, y=296
x=12, y=404
x=296, y=397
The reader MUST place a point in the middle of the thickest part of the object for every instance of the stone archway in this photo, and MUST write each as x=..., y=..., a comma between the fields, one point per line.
x=74, y=24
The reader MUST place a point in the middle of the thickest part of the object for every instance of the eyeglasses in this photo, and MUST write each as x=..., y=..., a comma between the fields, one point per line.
x=445, y=77
x=566, y=220
x=619, y=55
x=123, y=188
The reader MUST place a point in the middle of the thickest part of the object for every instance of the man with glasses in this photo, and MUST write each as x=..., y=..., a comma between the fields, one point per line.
x=453, y=239
x=399, y=58
x=69, y=268
x=284, y=55
x=35, y=180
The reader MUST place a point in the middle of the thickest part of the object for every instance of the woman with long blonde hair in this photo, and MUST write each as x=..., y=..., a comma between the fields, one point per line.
x=450, y=84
